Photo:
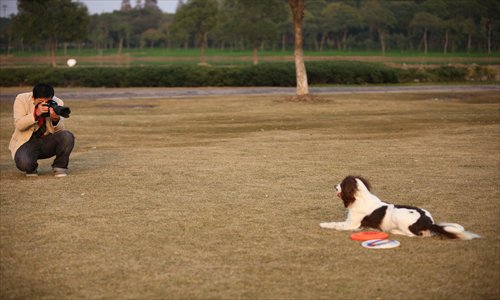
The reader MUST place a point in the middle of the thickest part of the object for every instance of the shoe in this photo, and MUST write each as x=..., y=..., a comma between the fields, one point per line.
x=32, y=174
x=60, y=172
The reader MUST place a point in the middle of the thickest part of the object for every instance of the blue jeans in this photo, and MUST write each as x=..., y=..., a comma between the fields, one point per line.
x=59, y=144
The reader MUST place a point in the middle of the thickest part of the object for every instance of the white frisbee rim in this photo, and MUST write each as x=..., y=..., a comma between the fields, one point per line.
x=381, y=244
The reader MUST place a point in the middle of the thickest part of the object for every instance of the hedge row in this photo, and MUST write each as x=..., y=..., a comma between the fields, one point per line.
x=265, y=74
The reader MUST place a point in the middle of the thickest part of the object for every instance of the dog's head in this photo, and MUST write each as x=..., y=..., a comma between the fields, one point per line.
x=347, y=189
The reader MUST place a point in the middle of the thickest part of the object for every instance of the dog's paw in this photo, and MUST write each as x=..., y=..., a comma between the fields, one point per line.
x=329, y=225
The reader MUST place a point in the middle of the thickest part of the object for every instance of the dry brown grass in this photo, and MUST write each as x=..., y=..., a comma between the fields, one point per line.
x=222, y=197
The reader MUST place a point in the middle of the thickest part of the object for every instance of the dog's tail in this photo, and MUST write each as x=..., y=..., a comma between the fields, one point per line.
x=453, y=231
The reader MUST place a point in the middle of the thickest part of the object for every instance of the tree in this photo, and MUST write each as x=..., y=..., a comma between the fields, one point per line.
x=180, y=3
x=198, y=17
x=256, y=21
x=152, y=36
x=379, y=19
x=105, y=28
x=425, y=21
x=403, y=11
x=314, y=24
x=5, y=34
x=140, y=20
x=441, y=21
x=489, y=22
x=468, y=28
x=97, y=32
x=341, y=18
x=54, y=20
x=179, y=34
x=297, y=7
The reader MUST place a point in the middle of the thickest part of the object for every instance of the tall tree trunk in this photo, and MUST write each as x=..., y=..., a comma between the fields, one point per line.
x=297, y=7
x=53, y=46
x=203, y=46
x=469, y=42
x=344, y=40
x=425, y=40
x=381, y=36
x=338, y=42
x=324, y=35
x=10, y=42
x=203, y=58
x=410, y=40
x=120, y=45
x=489, y=26
x=255, y=57
x=446, y=41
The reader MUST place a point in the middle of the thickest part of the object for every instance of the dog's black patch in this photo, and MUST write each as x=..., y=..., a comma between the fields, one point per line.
x=374, y=220
x=439, y=230
x=423, y=223
x=406, y=206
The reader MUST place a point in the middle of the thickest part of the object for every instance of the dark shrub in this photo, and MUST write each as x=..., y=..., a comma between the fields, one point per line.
x=448, y=73
x=264, y=74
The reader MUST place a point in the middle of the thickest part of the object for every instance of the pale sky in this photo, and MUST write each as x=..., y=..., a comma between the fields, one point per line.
x=8, y=7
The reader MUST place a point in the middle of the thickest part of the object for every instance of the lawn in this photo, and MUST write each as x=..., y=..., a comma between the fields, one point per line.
x=221, y=198
x=219, y=57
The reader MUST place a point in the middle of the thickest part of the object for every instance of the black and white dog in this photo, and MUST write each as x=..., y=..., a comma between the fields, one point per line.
x=367, y=210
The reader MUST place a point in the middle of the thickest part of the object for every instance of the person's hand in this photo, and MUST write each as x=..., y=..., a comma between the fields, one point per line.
x=53, y=116
x=41, y=108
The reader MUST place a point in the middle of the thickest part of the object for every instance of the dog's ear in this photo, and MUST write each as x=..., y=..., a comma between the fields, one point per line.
x=348, y=188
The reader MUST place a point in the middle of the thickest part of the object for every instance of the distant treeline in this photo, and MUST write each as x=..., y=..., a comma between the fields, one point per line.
x=264, y=74
x=431, y=25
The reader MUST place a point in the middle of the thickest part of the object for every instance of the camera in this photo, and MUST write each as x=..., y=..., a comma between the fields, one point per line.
x=62, y=111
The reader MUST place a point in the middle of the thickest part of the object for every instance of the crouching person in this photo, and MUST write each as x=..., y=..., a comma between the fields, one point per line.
x=39, y=131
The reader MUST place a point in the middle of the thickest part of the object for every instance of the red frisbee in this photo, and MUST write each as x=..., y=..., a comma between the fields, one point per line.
x=369, y=235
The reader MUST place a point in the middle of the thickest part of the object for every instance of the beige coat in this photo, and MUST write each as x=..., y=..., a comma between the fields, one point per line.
x=24, y=121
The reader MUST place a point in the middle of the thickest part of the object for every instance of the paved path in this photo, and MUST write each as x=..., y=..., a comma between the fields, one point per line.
x=132, y=93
